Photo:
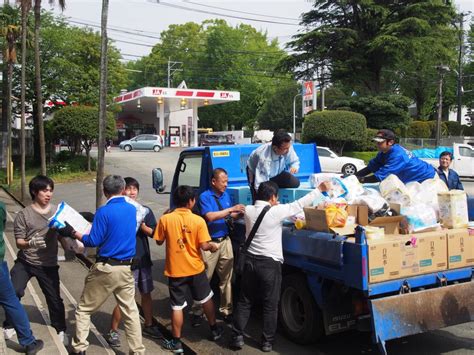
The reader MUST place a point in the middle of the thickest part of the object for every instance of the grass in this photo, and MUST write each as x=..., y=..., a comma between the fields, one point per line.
x=365, y=156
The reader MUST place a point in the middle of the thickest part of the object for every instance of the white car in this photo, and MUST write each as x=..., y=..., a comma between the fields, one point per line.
x=333, y=163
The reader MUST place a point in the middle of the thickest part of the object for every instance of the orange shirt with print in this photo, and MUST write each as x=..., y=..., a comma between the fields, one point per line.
x=183, y=232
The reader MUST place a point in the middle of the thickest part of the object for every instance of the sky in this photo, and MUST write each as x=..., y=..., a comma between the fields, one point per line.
x=135, y=25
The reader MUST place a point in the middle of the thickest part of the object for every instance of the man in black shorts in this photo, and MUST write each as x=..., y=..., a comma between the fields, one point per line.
x=186, y=235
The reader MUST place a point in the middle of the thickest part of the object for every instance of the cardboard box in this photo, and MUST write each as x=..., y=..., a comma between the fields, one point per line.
x=409, y=255
x=240, y=194
x=432, y=251
x=453, y=211
x=384, y=259
x=286, y=195
x=316, y=220
x=460, y=248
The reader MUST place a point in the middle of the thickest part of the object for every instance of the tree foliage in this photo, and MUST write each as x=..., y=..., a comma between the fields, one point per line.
x=80, y=126
x=334, y=128
x=277, y=111
x=388, y=111
x=217, y=56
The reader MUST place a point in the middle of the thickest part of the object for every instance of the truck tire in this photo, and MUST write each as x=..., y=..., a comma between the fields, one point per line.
x=300, y=316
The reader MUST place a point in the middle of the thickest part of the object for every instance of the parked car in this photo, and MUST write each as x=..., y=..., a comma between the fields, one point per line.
x=143, y=142
x=215, y=139
x=333, y=163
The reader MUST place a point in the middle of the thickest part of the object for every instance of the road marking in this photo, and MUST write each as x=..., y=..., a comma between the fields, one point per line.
x=39, y=304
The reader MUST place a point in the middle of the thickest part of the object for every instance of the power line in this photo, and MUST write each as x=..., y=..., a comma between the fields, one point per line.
x=160, y=2
x=240, y=12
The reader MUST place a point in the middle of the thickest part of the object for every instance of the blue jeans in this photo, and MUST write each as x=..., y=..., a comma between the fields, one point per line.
x=14, y=311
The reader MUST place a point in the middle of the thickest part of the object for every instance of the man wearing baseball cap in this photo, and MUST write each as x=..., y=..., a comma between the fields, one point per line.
x=394, y=159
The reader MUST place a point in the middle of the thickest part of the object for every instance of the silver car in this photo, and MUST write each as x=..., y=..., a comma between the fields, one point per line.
x=143, y=142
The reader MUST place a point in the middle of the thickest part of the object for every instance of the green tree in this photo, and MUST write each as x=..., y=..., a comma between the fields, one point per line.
x=388, y=111
x=334, y=128
x=364, y=44
x=217, y=56
x=80, y=125
x=277, y=111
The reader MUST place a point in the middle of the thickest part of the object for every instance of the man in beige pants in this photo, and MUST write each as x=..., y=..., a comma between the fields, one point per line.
x=113, y=231
x=216, y=207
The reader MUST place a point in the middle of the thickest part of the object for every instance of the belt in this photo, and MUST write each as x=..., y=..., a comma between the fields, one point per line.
x=114, y=262
x=220, y=239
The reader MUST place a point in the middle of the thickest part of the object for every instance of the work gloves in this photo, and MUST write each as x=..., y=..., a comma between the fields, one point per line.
x=37, y=242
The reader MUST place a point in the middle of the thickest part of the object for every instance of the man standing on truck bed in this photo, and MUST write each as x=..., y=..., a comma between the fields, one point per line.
x=216, y=208
x=449, y=176
x=276, y=161
x=394, y=159
x=261, y=276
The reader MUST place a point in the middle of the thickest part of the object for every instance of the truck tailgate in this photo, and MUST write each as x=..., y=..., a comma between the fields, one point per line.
x=412, y=313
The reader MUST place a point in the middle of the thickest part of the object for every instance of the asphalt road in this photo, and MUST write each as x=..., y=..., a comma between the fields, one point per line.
x=453, y=340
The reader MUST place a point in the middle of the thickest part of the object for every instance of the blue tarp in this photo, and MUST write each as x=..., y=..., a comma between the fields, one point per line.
x=431, y=153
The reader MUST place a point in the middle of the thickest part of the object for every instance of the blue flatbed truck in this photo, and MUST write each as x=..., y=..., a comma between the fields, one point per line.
x=325, y=287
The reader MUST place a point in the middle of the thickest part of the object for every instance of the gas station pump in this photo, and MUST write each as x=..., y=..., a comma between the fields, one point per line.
x=174, y=136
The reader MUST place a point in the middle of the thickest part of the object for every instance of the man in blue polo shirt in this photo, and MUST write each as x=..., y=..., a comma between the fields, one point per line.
x=394, y=159
x=113, y=232
x=216, y=208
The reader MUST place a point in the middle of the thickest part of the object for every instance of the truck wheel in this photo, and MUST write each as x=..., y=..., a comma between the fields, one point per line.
x=300, y=316
x=349, y=169
x=127, y=148
x=156, y=148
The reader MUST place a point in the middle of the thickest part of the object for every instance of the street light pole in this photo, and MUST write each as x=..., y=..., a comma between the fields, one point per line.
x=294, y=116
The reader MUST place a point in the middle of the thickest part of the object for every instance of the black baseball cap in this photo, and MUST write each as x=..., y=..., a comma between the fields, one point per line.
x=384, y=134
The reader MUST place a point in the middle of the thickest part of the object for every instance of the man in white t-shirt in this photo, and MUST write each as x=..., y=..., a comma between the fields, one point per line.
x=264, y=258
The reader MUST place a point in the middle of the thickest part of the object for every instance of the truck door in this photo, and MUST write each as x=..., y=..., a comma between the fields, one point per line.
x=463, y=159
x=190, y=171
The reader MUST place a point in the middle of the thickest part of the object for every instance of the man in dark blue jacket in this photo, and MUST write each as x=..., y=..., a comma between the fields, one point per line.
x=394, y=159
x=449, y=176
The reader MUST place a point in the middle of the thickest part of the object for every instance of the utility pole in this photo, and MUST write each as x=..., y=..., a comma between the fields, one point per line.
x=442, y=69
x=172, y=69
x=460, y=62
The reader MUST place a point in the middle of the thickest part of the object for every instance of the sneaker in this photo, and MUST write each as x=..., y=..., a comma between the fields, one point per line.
x=8, y=333
x=216, y=333
x=152, y=331
x=237, y=342
x=34, y=347
x=266, y=346
x=197, y=320
x=63, y=338
x=174, y=345
x=113, y=339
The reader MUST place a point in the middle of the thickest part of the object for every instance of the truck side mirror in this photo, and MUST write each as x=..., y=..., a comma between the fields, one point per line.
x=157, y=180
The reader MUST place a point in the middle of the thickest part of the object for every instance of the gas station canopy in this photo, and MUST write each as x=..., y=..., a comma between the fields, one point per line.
x=173, y=99
x=160, y=102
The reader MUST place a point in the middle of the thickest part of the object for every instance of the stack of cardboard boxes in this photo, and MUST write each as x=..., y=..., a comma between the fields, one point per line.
x=402, y=255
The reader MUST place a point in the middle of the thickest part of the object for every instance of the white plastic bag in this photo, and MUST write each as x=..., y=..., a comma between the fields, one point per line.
x=420, y=217
x=316, y=179
x=353, y=186
x=141, y=211
x=372, y=199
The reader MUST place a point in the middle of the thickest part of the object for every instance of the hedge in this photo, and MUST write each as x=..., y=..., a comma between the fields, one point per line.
x=334, y=128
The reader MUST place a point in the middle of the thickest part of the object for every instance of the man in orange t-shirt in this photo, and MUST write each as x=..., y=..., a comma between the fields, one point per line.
x=186, y=235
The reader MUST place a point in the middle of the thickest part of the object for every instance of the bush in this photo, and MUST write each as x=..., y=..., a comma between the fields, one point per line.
x=444, y=128
x=468, y=130
x=454, y=128
x=365, y=145
x=334, y=128
x=419, y=129
x=66, y=162
x=386, y=111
